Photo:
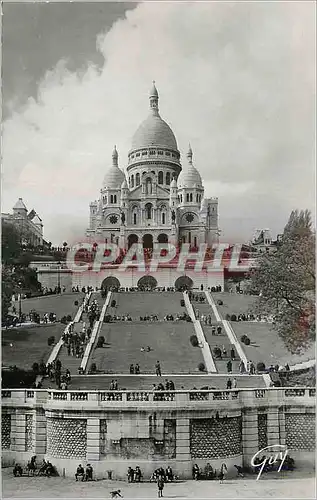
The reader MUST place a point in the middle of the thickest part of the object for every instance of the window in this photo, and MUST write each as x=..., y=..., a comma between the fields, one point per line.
x=134, y=218
x=160, y=152
x=197, y=198
x=152, y=152
x=195, y=241
x=148, y=211
x=191, y=197
x=181, y=198
x=163, y=218
x=144, y=153
x=168, y=154
x=160, y=177
x=137, y=179
x=187, y=196
x=189, y=237
x=132, y=181
x=111, y=198
x=168, y=178
x=114, y=198
x=137, y=155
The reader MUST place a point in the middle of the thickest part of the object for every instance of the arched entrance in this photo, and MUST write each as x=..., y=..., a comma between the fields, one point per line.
x=147, y=241
x=132, y=238
x=162, y=238
x=111, y=282
x=184, y=283
x=147, y=282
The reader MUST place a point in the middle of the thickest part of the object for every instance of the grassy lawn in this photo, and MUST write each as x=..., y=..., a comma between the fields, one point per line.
x=266, y=345
x=169, y=342
x=62, y=304
x=29, y=345
x=145, y=303
x=234, y=303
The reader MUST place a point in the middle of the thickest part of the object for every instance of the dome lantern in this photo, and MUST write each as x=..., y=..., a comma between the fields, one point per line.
x=154, y=99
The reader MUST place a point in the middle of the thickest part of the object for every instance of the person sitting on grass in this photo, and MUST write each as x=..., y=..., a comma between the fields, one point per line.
x=80, y=472
x=17, y=470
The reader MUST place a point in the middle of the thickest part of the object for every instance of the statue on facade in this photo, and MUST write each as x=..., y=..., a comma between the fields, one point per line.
x=122, y=218
x=173, y=216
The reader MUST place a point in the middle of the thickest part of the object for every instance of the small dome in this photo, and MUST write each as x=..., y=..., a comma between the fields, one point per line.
x=153, y=91
x=114, y=178
x=173, y=183
x=189, y=177
x=154, y=131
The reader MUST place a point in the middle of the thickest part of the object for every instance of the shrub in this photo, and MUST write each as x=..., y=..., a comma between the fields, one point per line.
x=260, y=367
x=228, y=317
x=247, y=341
x=51, y=340
x=219, y=302
x=68, y=318
x=182, y=302
x=76, y=303
x=201, y=367
x=101, y=341
x=194, y=340
x=233, y=317
x=64, y=320
x=89, y=331
x=93, y=368
x=188, y=319
x=113, y=303
x=213, y=289
x=243, y=338
x=107, y=318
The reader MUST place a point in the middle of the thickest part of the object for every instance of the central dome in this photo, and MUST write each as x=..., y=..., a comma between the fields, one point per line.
x=154, y=132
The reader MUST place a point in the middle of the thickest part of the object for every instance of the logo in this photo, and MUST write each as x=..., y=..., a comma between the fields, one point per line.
x=277, y=452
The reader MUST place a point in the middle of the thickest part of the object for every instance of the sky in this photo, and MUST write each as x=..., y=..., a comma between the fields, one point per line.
x=235, y=79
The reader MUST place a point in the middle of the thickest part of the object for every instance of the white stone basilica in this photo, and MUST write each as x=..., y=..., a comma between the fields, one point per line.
x=157, y=200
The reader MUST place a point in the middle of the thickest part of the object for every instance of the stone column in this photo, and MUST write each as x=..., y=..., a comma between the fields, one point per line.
x=250, y=439
x=281, y=416
x=93, y=439
x=183, y=455
x=39, y=433
x=273, y=429
x=19, y=435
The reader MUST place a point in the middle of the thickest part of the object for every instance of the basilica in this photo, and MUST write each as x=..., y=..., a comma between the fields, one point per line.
x=158, y=199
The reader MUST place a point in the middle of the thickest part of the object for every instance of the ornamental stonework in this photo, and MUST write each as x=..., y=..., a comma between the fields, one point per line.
x=300, y=431
x=6, y=431
x=262, y=430
x=28, y=432
x=103, y=436
x=67, y=438
x=170, y=438
x=211, y=438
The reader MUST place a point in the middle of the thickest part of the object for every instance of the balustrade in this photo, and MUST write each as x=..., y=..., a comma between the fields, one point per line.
x=164, y=396
x=137, y=396
x=259, y=393
x=30, y=394
x=79, y=396
x=110, y=396
x=6, y=394
x=312, y=393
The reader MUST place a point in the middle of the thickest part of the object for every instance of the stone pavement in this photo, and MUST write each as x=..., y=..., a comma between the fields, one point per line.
x=283, y=485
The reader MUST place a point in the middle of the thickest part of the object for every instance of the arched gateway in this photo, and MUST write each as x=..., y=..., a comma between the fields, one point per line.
x=110, y=282
x=184, y=283
x=147, y=282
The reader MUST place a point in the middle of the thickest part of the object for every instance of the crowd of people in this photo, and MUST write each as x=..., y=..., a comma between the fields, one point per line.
x=84, y=474
x=222, y=352
x=208, y=472
x=46, y=468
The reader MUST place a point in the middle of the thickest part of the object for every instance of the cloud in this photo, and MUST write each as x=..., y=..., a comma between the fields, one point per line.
x=235, y=79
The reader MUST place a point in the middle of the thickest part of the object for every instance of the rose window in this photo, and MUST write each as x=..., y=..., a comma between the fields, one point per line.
x=113, y=219
x=189, y=217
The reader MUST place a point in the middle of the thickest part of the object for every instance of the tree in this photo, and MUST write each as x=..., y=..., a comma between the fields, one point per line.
x=10, y=243
x=285, y=281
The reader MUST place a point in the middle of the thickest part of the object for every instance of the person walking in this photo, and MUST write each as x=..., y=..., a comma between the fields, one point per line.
x=223, y=473
x=160, y=486
x=229, y=366
x=158, y=369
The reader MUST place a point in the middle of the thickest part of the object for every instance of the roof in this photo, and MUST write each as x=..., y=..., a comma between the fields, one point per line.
x=154, y=131
x=19, y=205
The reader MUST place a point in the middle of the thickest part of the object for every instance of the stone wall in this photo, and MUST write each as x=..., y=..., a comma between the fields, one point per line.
x=170, y=438
x=211, y=438
x=5, y=431
x=300, y=431
x=66, y=438
x=28, y=432
x=262, y=430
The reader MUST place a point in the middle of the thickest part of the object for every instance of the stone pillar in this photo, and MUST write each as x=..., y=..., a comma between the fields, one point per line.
x=183, y=455
x=39, y=433
x=19, y=437
x=273, y=429
x=250, y=439
x=281, y=417
x=93, y=439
